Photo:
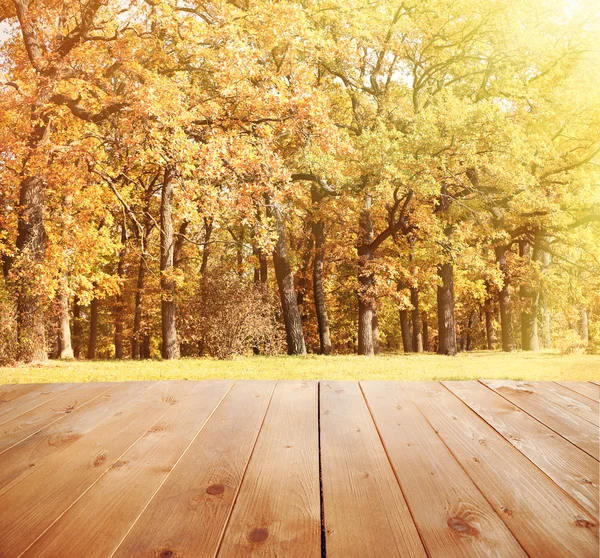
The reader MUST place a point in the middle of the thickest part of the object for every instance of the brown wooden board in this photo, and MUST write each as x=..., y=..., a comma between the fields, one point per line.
x=30, y=400
x=23, y=426
x=96, y=524
x=578, y=431
x=277, y=511
x=541, y=516
x=188, y=514
x=590, y=390
x=569, y=400
x=451, y=514
x=9, y=392
x=29, y=455
x=31, y=506
x=569, y=467
x=365, y=513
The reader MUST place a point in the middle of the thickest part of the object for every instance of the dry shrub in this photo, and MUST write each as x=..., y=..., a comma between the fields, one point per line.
x=227, y=317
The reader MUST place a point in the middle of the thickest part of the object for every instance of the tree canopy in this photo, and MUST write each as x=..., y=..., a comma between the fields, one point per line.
x=185, y=178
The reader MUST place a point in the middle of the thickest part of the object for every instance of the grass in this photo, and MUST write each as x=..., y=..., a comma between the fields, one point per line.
x=466, y=366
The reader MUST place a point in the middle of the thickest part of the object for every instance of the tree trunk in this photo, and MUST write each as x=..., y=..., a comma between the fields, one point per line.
x=31, y=335
x=375, y=332
x=585, y=337
x=488, y=309
x=208, y=229
x=264, y=269
x=93, y=338
x=445, y=291
x=530, y=296
x=490, y=335
x=302, y=282
x=508, y=340
x=136, y=338
x=545, y=311
x=470, y=324
x=417, y=336
x=146, y=346
x=405, y=330
x=546, y=335
x=287, y=291
x=168, y=307
x=425, y=331
x=366, y=300
x=260, y=271
x=120, y=302
x=65, y=347
x=445, y=301
x=366, y=308
x=76, y=328
x=318, y=229
x=239, y=253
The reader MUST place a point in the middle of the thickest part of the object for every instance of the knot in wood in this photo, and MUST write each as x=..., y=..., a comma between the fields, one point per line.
x=461, y=526
x=258, y=535
x=215, y=489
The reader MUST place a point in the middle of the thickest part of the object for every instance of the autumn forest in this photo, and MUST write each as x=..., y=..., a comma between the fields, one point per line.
x=218, y=178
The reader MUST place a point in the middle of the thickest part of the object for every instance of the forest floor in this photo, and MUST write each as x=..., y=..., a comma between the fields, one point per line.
x=466, y=366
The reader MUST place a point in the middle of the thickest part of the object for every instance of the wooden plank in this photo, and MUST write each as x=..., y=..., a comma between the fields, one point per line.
x=596, y=383
x=29, y=455
x=543, y=518
x=277, y=511
x=95, y=525
x=364, y=510
x=202, y=489
x=31, y=400
x=451, y=514
x=569, y=467
x=579, y=432
x=576, y=403
x=9, y=392
x=590, y=390
x=31, y=506
x=27, y=424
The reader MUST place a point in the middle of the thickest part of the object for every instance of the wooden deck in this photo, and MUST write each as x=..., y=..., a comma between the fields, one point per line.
x=307, y=469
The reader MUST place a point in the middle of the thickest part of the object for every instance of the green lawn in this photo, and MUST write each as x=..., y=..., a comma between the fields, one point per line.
x=518, y=366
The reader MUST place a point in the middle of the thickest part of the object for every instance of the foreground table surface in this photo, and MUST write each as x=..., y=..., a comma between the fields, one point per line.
x=292, y=468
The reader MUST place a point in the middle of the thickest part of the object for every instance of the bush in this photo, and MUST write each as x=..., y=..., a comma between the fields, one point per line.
x=227, y=317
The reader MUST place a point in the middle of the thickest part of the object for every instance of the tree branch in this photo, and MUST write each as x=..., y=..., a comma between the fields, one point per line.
x=313, y=178
x=81, y=113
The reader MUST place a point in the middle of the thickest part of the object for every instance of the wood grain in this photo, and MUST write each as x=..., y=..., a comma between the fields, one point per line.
x=569, y=467
x=569, y=400
x=277, y=511
x=95, y=525
x=541, y=516
x=31, y=506
x=14, y=431
x=588, y=389
x=554, y=415
x=30, y=400
x=202, y=488
x=9, y=392
x=452, y=516
x=29, y=455
x=364, y=510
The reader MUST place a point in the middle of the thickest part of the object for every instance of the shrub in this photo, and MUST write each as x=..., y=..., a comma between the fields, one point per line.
x=227, y=317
